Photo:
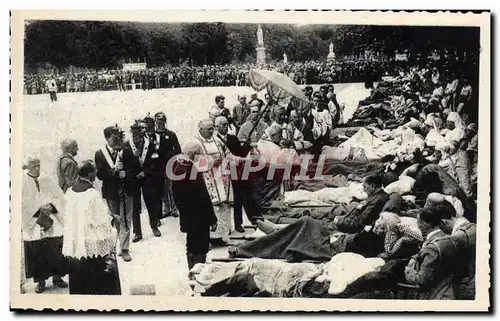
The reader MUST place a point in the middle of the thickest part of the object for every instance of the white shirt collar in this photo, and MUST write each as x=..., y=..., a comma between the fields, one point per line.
x=459, y=222
x=109, y=148
x=86, y=180
x=431, y=234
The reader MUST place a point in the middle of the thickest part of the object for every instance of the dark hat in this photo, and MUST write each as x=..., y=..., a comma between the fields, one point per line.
x=112, y=130
x=136, y=126
x=148, y=120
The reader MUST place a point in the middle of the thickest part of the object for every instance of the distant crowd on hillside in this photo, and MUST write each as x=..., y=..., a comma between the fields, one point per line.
x=303, y=73
x=311, y=72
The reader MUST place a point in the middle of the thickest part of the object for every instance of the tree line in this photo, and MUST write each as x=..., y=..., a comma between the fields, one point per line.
x=101, y=44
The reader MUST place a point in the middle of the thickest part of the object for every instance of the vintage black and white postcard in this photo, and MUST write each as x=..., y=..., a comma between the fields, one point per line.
x=250, y=160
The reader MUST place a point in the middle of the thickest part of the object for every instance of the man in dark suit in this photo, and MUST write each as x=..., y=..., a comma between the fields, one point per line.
x=67, y=168
x=152, y=176
x=241, y=111
x=172, y=148
x=368, y=213
x=118, y=183
x=433, y=268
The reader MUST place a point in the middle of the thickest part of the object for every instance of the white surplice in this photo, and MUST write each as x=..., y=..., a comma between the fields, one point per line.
x=87, y=232
x=33, y=199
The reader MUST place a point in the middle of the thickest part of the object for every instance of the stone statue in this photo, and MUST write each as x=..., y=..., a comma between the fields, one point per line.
x=331, y=54
x=285, y=58
x=260, y=37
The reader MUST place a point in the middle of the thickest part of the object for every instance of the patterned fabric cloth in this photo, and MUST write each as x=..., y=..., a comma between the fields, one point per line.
x=397, y=235
x=87, y=231
x=218, y=187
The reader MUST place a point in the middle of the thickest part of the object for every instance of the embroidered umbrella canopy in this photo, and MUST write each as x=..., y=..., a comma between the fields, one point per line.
x=279, y=86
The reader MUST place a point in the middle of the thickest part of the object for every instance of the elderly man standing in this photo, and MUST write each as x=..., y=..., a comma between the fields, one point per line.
x=218, y=188
x=245, y=134
x=232, y=146
x=67, y=168
x=42, y=227
x=197, y=217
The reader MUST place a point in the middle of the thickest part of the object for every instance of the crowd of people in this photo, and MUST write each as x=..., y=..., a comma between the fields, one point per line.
x=312, y=72
x=417, y=211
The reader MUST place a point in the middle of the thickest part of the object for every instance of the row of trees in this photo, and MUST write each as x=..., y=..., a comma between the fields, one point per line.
x=98, y=44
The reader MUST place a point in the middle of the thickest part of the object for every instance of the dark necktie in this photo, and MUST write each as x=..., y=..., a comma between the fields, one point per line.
x=36, y=182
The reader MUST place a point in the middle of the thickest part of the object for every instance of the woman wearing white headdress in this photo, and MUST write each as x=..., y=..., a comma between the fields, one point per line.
x=42, y=226
x=456, y=126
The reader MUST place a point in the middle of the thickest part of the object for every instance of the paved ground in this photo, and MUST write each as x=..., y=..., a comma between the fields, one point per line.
x=83, y=116
x=158, y=261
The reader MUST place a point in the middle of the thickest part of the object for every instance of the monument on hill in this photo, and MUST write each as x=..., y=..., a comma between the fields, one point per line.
x=261, y=50
x=331, y=54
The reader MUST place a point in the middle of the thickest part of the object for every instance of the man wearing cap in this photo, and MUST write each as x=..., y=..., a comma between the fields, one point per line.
x=152, y=176
x=105, y=160
x=246, y=128
x=129, y=160
x=172, y=148
x=118, y=184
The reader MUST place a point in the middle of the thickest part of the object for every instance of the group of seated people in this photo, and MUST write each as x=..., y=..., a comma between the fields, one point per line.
x=429, y=250
x=425, y=233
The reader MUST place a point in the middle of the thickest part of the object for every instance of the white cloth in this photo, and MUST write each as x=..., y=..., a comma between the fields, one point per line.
x=324, y=120
x=32, y=200
x=274, y=154
x=327, y=195
x=87, y=231
x=402, y=186
x=458, y=132
x=51, y=85
x=344, y=268
x=458, y=223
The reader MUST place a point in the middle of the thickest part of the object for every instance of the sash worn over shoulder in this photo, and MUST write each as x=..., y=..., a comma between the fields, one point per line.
x=142, y=158
x=108, y=157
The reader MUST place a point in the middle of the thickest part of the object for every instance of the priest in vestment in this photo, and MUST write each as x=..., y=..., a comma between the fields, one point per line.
x=218, y=188
x=42, y=227
x=89, y=238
